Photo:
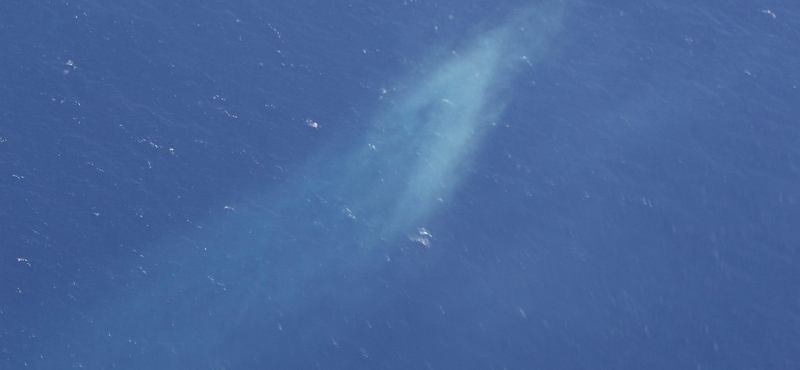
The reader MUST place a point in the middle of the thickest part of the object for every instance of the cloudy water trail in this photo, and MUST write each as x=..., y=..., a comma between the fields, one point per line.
x=275, y=274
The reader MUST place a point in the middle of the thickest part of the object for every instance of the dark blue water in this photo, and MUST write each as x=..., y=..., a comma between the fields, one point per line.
x=173, y=178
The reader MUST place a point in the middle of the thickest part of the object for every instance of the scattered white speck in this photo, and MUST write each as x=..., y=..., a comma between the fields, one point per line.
x=274, y=30
x=424, y=232
x=424, y=240
x=312, y=123
x=24, y=260
x=527, y=61
x=71, y=67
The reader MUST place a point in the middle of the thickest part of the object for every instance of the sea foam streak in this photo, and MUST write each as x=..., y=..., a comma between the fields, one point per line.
x=260, y=273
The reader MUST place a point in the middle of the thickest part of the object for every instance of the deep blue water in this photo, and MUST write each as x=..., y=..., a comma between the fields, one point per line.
x=188, y=185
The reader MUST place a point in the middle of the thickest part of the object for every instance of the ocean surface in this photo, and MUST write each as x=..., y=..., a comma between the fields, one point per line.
x=409, y=184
